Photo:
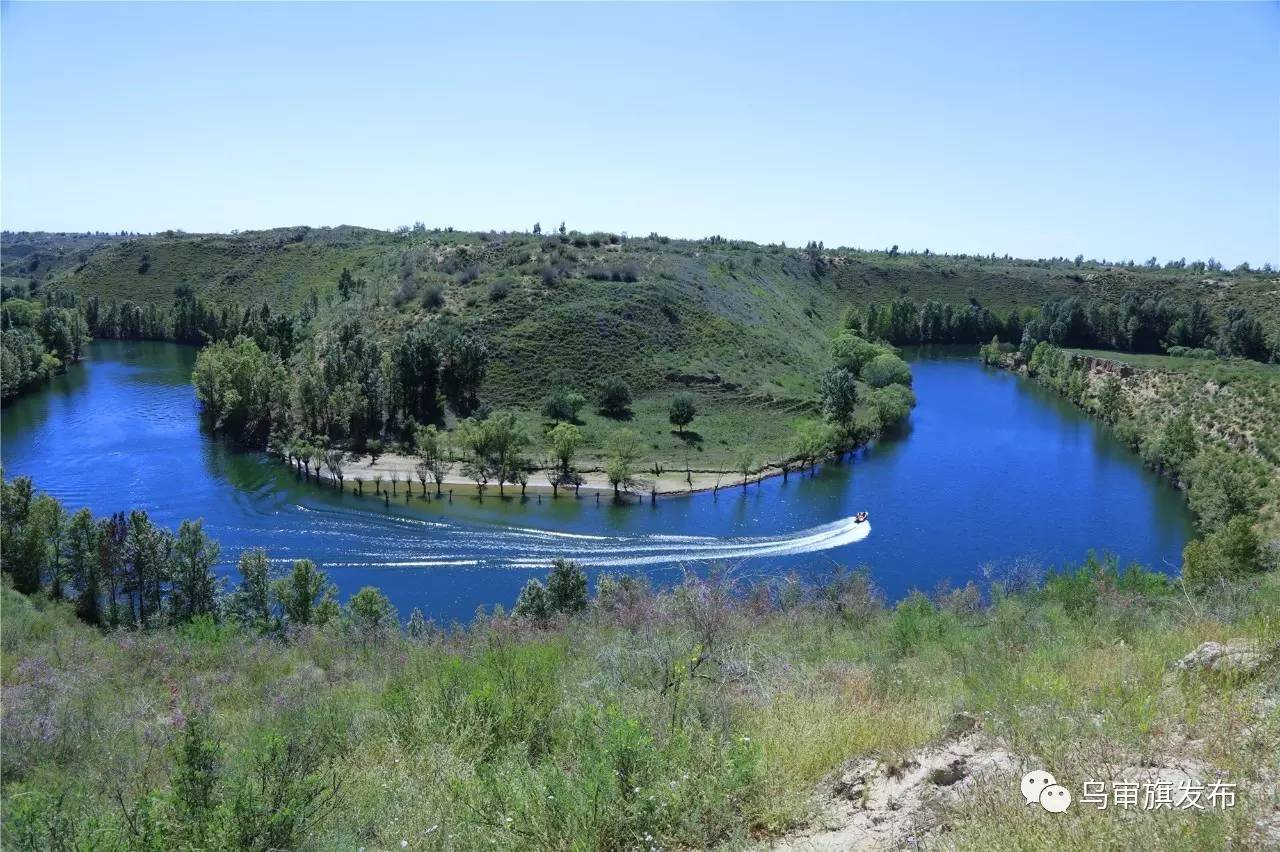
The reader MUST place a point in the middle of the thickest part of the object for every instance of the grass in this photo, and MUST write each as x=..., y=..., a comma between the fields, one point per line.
x=603, y=733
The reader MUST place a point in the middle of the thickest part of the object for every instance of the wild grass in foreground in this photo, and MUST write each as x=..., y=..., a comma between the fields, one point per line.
x=696, y=718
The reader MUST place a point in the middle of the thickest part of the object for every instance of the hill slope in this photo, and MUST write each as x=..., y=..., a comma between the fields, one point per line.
x=735, y=319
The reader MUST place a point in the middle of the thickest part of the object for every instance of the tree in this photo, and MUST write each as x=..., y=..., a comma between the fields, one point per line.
x=333, y=458
x=566, y=587
x=251, y=600
x=417, y=362
x=885, y=370
x=682, y=410
x=506, y=442
x=195, y=587
x=433, y=455
x=306, y=596
x=416, y=628
x=812, y=441
x=1223, y=485
x=1178, y=444
x=852, y=352
x=370, y=614
x=147, y=553
x=241, y=388
x=839, y=394
x=563, y=405
x=1231, y=552
x=1241, y=334
x=466, y=363
x=614, y=397
x=624, y=448
x=84, y=567
x=533, y=603
x=474, y=438
x=1111, y=405
x=564, y=439
x=745, y=462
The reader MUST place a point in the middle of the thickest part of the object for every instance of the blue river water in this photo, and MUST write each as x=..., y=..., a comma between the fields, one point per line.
x=990, y=472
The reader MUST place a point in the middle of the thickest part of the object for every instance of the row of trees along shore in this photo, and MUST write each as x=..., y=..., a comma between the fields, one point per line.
x=126, y=572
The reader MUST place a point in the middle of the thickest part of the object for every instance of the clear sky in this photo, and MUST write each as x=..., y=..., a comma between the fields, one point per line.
x=1112, y=130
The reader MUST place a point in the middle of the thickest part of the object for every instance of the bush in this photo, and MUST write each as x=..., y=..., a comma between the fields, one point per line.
x=614, y=397
x=566, y=588
x=533, y=603
x=1224, y=484
x=1231, y=552
x=885, y=370
x=433, y=297
x=499, y=290
x=563, y=406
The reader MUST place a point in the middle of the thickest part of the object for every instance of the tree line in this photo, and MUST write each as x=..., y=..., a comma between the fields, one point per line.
x=38, y=338
x=1137, y=323
x=126, y=572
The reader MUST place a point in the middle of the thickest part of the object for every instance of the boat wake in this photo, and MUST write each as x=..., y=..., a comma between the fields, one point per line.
x=445, y=544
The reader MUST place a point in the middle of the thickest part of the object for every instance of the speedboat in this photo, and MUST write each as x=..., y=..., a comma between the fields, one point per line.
x=860, y=518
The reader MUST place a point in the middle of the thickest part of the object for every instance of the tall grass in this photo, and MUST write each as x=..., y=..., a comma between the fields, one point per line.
x=688, y=719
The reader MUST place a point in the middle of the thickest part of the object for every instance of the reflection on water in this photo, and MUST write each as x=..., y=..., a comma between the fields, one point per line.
x=990, y=468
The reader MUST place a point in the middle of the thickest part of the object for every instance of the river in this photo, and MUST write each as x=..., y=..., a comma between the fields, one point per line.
x=991, y=472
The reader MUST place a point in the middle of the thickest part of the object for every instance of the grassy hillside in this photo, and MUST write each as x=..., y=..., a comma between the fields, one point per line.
x=715, y=314
x=695, y=719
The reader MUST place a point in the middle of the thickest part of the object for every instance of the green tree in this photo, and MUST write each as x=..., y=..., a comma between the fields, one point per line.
x=306, y=596
x=194, y=590
x=624, y=450
x=533, y=603
x=744, y=462
x=1224, y=484
x=852, y=352
x=370, y=614
x=884, y=370
x=1231, y=552
x=1178, y=444
x=839, y=394
x=614, y=397
x=433, y=454
x=241, y=388
x=566, y=587
x=84, y=566
x=682, y=410
x=1111, y=406
x=812, y=441
x=251, y=600
x=564, y=439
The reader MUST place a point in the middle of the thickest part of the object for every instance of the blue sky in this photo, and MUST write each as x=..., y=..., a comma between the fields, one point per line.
x=1112, y=130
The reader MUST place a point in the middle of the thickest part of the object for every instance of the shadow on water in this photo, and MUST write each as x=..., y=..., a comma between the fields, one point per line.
x=989, y=469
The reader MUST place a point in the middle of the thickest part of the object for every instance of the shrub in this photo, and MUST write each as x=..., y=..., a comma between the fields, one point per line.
x=566, y=588
x=533, y=603
x=1231, y=552
x=563, y=406
x=499, y=290
x=433, y=297
x=885, y=370
x=1224, y=484
x=614, y=397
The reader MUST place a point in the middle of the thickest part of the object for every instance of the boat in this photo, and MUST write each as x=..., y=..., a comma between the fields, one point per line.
x=860, y=518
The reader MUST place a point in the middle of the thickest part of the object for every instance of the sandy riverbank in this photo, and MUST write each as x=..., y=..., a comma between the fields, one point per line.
x=361, y=471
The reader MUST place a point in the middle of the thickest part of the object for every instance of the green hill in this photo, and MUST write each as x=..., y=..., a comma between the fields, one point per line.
x=712, y=313
x=745, y=326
